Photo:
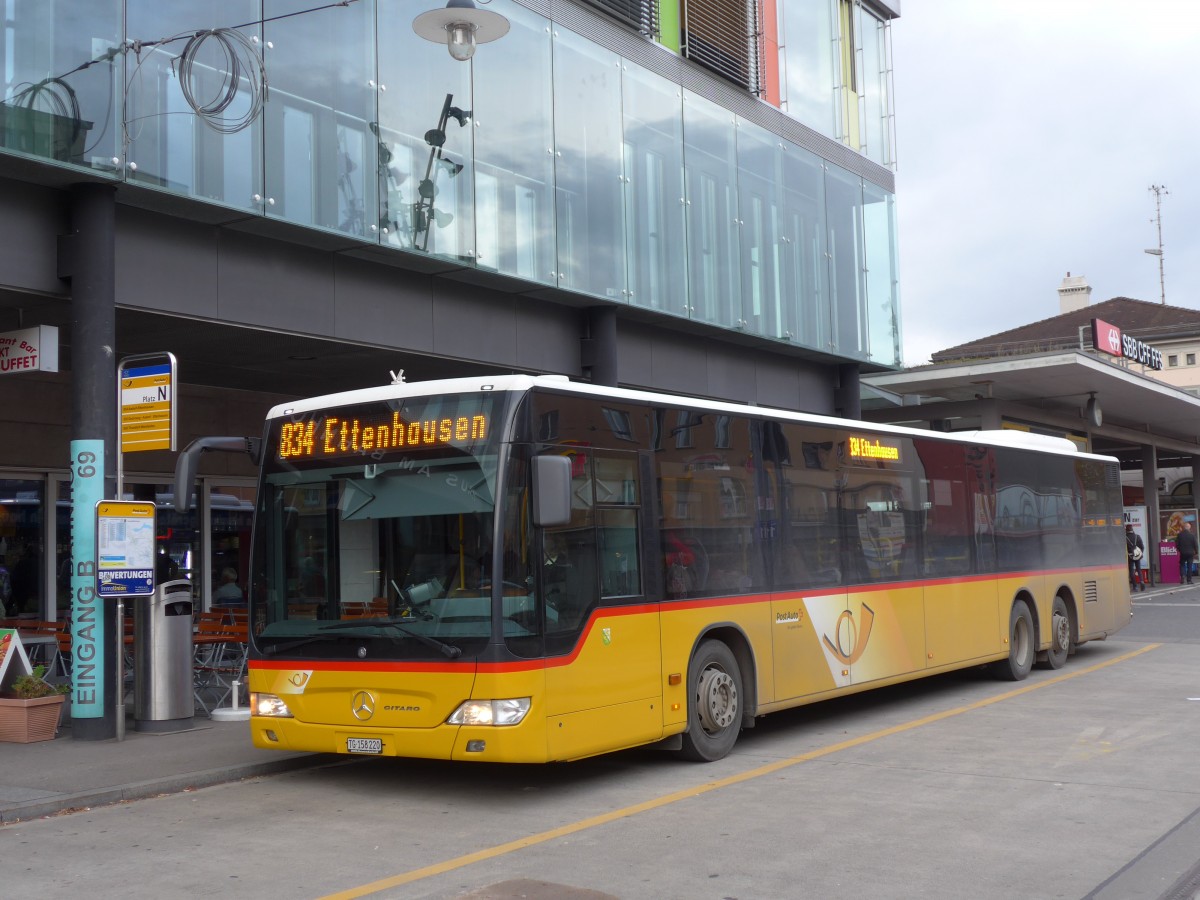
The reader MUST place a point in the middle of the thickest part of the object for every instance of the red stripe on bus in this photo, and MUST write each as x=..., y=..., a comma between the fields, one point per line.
x=608, y=612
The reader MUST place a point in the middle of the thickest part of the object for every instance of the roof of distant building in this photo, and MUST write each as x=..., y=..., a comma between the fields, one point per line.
x=1137, y=318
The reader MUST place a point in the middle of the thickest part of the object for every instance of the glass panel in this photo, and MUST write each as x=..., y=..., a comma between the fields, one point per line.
x=218, y=157
x=569, y=573
x=654, y=210
x=231, y=511
x=588, y=168
x=847, y=264
x=883, y=301
x=62, y=546
x=296, y=164
x=514, y=148
x=376, y=513
x=321, y=158
x=424, y=141
x=874, y=89
x=616, y=481
x=803, y=271
x=806, y=45
x=178, y=533
x=53, y=106
x=1017, y=520
x=810, y=536
x=22, y=548
x=879, y=516
x=759, y=177
x=952, y=536
x=709, y=510
x=519, y=555
x=619, y=553
x=710, y=160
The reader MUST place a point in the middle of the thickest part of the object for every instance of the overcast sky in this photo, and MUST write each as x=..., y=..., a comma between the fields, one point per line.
x=1028, y=135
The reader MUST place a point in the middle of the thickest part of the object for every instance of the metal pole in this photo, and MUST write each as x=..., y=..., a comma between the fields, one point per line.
x=120, y=665
x=1159, y=190
x=87, y=258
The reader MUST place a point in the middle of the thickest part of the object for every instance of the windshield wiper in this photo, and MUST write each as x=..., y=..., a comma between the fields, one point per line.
x=446, y=649
x=272, y=649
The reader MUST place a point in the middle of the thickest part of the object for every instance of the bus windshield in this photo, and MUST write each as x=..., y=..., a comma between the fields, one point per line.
x=374, y=533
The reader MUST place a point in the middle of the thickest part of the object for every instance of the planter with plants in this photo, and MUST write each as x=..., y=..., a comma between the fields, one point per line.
x=30, y=710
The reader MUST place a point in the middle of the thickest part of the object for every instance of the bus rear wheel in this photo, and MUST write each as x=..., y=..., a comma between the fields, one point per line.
x=1060, y=635
x=1021, y=645
x=715, y=707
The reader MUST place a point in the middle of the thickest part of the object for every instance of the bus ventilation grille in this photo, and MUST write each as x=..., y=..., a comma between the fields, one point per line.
x=1090, y=593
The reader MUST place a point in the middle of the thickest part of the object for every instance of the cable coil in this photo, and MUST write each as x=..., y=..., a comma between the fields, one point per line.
x=241, y=62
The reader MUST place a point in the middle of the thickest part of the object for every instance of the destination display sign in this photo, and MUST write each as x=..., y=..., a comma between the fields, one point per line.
x=873, y=449
x=380, y=431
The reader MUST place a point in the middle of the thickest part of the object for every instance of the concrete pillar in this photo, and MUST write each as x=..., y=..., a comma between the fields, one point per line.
x=847, y=401
x=598, y=355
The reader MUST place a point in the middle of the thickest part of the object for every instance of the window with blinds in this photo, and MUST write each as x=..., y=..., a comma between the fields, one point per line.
x=641, y=15
x=724, y=36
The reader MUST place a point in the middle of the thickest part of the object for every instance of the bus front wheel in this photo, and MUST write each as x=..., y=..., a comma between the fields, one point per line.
x=1021, y=645
x=715, y=705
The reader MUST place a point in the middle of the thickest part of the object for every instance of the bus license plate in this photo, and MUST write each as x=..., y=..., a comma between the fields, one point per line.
x=364, y=745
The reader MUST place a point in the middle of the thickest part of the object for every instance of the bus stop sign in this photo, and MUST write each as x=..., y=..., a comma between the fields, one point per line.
x=125, y=534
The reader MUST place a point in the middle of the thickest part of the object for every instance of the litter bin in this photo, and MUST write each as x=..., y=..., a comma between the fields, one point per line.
x=162, y=659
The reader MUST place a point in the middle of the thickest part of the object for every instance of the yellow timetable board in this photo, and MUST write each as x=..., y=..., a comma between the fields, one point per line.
x=146, y=408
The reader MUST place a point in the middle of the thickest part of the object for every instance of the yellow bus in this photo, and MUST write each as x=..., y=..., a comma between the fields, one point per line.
x=527, y=569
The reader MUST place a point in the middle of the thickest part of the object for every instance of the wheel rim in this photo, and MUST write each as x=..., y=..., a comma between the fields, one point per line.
x=717, y=700
x=1062, y=631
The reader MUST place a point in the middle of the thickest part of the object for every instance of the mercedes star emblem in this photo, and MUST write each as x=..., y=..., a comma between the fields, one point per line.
x=362, y=706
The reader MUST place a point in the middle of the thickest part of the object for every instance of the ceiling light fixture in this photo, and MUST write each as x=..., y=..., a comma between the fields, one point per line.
x=460, y=26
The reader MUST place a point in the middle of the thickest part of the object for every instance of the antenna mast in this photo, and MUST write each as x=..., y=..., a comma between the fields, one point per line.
x=1159, y=190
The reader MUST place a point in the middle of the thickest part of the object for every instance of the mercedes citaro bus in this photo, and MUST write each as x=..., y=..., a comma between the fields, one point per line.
x=528, y=569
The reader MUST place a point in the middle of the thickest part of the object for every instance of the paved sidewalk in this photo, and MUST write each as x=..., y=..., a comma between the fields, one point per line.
x=48, y=777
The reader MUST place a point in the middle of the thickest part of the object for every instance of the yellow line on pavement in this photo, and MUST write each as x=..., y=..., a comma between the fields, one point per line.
x=625, y=812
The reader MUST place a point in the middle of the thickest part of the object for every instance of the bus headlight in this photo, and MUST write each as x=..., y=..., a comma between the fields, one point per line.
x=490, y=712
x=268, y=705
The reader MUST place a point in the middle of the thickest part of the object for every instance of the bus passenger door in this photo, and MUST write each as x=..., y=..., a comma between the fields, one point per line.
x=603, y=671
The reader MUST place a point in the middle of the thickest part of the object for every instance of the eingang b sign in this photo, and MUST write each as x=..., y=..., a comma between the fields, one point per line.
x=1107, y=338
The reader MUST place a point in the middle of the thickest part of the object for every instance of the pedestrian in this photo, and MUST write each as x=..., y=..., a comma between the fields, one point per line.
x=1134, y=551
x=1185, y=543
x=228, y=593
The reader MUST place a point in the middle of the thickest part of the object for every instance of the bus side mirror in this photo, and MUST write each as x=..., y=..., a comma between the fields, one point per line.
x=189, y=462
x=551, y=490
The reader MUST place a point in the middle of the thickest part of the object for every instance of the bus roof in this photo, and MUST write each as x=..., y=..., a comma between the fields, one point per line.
x=521, y=383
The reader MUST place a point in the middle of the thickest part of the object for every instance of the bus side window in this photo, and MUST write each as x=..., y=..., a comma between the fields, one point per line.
x=618, y=500
x=569, y=578
x=619, y=576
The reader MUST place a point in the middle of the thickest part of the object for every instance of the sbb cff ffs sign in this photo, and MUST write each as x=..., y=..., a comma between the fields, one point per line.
x=1107, y=338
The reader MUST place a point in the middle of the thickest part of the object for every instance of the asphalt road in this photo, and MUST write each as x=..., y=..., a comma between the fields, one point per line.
x=1077, y=783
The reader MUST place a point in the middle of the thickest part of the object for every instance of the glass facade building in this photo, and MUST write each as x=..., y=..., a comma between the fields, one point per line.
x=307, y=194
x=575, y=153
